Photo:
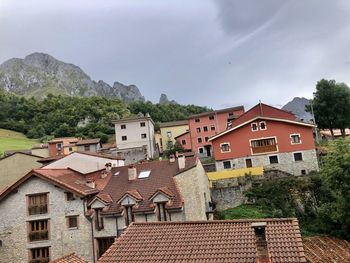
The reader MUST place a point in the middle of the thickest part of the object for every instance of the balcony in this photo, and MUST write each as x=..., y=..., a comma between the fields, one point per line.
x=38, y=235
x=264, y=149
x=37, y=209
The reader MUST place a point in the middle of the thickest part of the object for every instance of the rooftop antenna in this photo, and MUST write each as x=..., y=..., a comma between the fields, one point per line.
x=261, y=110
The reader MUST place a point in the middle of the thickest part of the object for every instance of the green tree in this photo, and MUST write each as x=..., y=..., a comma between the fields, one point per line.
x=331, y=105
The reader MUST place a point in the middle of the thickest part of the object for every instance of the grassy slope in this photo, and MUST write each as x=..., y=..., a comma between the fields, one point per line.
x=10, y=140
x=243, y=212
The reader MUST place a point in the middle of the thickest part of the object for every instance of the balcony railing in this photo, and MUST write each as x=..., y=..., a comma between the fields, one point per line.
x=264, y=149
x=37, y=209
x=39, y=235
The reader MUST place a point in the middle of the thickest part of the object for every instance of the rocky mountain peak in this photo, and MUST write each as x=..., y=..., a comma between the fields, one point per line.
x=297, y=106
x=164, y=100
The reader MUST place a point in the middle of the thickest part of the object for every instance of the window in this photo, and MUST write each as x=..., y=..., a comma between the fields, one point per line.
x=103, y=244
x=205, y=128
x=70, y=149
x=129, y=216
x=227, y=164
x=254, y=126
x=72, y=221
x=144, y=174
x=225, y=147
x=123, y=126
x=262, y=125
x=69, y=196
x=198, y=130
x=37, y=204
x=142, y=124
x=273, y=159
x=298, y=157
x=199, y=140
x=295, y=138
x=38, y=230
x=168, y=134
x=212, y=128
x=197, y=120
x=206, y=139
x=161, y=212
x=124, y=138
x=143, y=136
x=59, y=146
x=86, y=148
x=201, y=150
x=39, y=255
x=263, y=145
x=211, y=117
x=230, y=114
x=99, y=220
x=183, y=142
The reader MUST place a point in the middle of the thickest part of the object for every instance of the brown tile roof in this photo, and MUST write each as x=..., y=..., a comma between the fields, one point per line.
x=216, y=111
x=88, y=141
x=51, y=158
x=70, y=258
x=206, y=241
x=107, y=156
x=161, y=177
x=65, y=140
x=173, y=123
x=326, y=250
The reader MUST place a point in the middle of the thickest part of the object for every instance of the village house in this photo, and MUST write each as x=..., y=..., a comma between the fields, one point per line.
x=269, y=137
x=245, y=240
x=169, y=131
x=59, y=211
x=62, y=146
x=89, y=145
x=184, y=140
x=205, y=125
x=135, y=138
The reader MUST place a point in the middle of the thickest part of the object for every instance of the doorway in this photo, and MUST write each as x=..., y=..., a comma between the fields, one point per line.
x=207, y=150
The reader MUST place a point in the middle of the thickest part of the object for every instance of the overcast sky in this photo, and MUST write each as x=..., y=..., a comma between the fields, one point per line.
x=216, y=53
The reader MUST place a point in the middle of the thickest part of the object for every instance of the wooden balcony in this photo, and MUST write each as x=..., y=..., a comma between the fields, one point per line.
x=41, y=260
x=37, y=209
x=264, y=149
x=39, y=235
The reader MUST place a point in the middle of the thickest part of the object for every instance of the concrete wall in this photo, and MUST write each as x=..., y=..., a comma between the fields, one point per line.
x=16, y=166
x=286, y=162
x=13, y=224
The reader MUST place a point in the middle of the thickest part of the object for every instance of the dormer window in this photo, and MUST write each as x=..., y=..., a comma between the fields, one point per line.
x=262, y=125
x=254, y=126
x=161, y=212
x=129, y=216
x=99, y=220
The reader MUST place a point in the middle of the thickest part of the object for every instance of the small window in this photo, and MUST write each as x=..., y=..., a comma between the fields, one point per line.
x=230, y=114
x=124, y=138
x=72, y=221
x=227, y=164
x=198, y=130
x=212, y=128
x=295, y=139
x=205, y=128
x=69, y=196
x=262, y=125
x=161, y=212
x=98, y=220
x=206, y=139
x=129, y=215
x=298, y=157
x=59, y=146
x=70, y=149
x=168, y=134
x=201, y=150
x=254, y=126
x=303, y=172
x=123, y=126
x=183, y=142
x=143, y=136
x=87, y=148
x=197, y=120
x=199, y=140
x=142, y=124
x=225, y=147
x=211, y=117
x=273, y=159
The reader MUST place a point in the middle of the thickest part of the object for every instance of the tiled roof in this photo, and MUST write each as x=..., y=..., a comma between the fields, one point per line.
x=65, y=140
x=216, y=111
x=107, y=156
x=70, y=258
x=161, y=177
x=51, y=158
x=326, y=250
x=206, y=241
x=173, y=123
x=88, y=141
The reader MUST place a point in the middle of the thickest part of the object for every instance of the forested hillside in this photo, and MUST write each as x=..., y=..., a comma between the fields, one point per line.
x=79, y=116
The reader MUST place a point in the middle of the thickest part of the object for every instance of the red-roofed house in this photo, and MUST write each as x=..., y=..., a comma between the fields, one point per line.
x=269, y=137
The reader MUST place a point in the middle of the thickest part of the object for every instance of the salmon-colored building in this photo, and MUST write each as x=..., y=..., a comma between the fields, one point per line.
x=207, y=124
x=62, y=146
x=269, y=137
x=185, y=140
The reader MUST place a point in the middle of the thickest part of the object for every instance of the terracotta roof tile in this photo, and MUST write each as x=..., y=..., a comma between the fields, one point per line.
x=326, y=250
x=88, y=141
x=161, y=177
x=206, y=241
x=70, y=258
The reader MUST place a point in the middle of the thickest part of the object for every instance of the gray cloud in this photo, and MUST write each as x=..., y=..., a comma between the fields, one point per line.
x=214, y=53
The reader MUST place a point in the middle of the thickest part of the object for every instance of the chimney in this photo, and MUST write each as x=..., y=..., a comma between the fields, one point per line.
x=172, y=158
x=90, y=183
x=181, y=161
x=132, y=173
x=262, y=254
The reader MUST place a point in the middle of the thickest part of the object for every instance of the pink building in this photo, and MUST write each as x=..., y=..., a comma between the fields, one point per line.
x=207, y=124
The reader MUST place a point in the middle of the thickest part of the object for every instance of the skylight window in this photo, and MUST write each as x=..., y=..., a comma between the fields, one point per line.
x=144, y=174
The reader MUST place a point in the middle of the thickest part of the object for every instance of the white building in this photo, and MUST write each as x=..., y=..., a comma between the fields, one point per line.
x=135, y=133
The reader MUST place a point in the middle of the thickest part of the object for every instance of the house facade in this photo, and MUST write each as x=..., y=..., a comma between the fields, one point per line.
x=170, y=130
x=89, y=145
x=205, y=125
x=185, y=140
x=62, y=146
x=269, y=137
x=135, y=133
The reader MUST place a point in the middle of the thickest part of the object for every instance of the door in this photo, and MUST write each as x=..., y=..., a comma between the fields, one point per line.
x=208, y=150
x=248, y=163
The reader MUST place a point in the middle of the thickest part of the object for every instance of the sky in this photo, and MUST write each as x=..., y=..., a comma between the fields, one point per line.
x=217, y=53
